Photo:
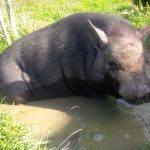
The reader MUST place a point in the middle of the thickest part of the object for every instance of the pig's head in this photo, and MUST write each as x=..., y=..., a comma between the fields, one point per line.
x=123, y=49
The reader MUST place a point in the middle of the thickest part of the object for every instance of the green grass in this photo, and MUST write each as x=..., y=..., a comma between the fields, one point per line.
x=147, y=146
x=16, y=136
x=31, y=15
x=12, y=134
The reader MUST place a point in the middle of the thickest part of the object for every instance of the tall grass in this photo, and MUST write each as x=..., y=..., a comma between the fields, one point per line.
x=12, y=134
x=16, y=136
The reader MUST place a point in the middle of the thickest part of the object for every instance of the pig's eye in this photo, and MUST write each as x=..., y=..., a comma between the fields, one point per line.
x=114, y=66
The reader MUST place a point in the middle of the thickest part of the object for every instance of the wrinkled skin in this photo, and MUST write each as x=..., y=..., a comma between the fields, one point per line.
x=87, y=54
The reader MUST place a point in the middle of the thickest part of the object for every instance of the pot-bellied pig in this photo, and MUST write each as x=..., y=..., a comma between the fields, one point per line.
x=85, y=54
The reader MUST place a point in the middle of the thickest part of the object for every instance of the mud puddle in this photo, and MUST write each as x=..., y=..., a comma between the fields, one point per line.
x=105, y=126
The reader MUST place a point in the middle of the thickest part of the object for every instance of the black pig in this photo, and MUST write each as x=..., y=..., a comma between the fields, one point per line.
x=85, y=54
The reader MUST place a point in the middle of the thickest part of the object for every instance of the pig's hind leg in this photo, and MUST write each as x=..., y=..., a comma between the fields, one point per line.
x=13, y=87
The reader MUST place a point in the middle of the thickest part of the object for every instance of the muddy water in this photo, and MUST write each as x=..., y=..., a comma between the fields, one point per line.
x=106, y=126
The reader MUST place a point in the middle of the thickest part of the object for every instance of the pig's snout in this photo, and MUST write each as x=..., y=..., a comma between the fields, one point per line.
x=136, y=95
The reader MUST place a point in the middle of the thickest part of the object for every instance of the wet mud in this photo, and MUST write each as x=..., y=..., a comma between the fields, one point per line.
x=105, y=124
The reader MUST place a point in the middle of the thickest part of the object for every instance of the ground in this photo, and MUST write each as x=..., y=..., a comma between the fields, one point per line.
x=104, y=123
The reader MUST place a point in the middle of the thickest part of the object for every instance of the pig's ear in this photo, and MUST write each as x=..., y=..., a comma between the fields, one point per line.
x=97, y=37
x=144, y=33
